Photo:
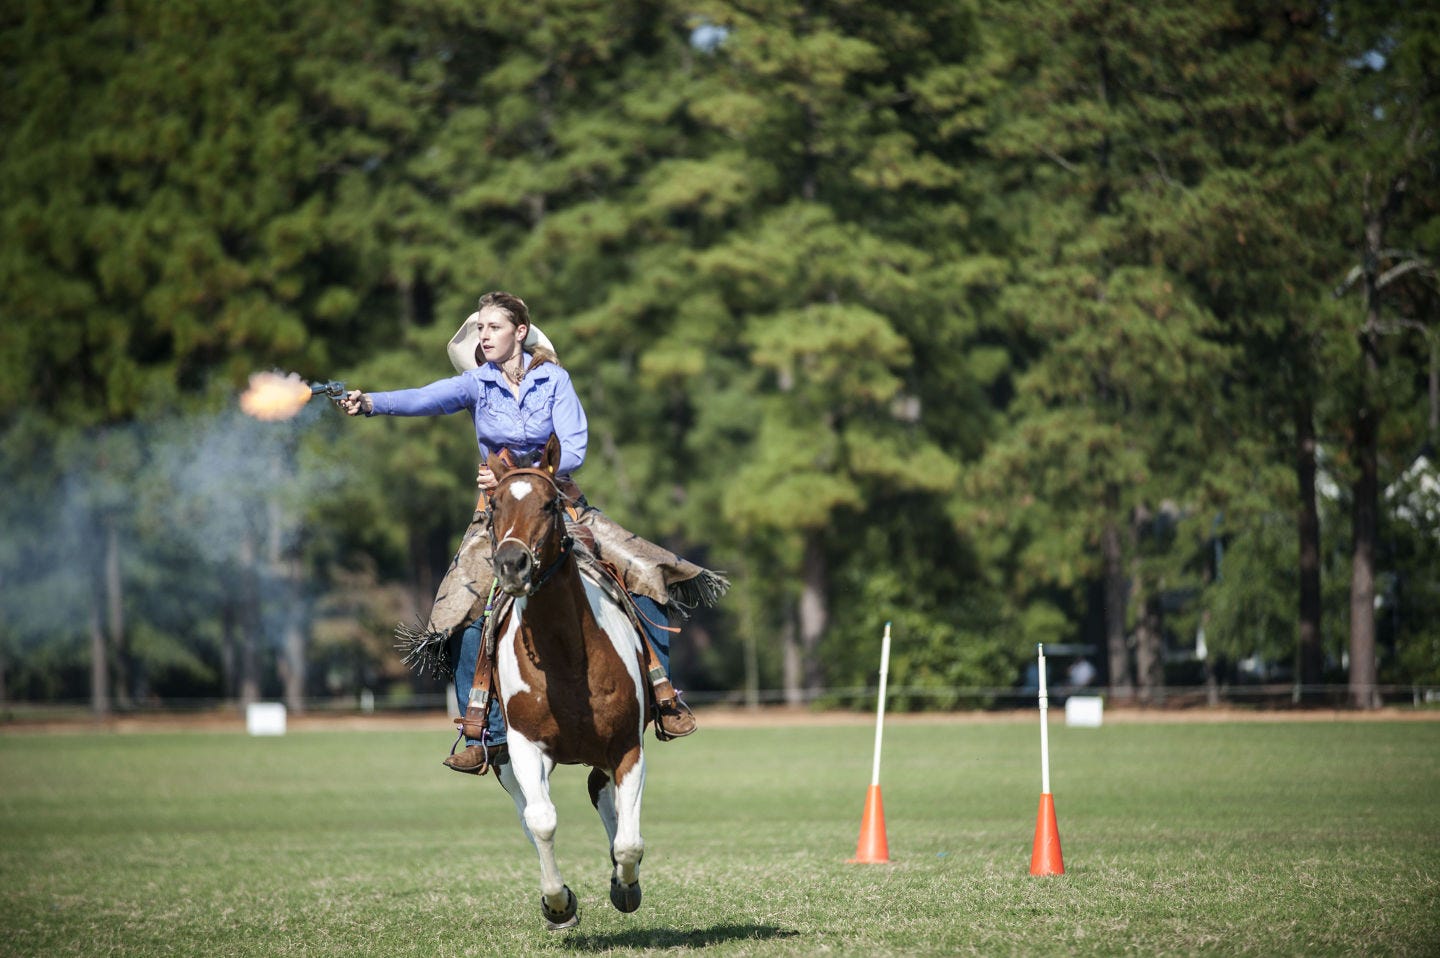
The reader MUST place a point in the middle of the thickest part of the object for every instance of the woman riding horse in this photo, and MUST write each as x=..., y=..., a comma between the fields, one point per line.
x=517, y=400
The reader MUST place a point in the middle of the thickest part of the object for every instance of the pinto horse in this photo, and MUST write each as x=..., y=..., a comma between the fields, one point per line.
x=568, y=668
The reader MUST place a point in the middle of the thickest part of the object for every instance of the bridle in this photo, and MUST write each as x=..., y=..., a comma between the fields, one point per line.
x=557, y=513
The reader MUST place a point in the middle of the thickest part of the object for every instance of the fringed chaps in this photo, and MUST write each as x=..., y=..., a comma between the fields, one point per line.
x=646, y=568
x=652, y=570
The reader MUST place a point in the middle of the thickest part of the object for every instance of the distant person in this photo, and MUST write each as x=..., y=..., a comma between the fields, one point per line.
x=1081, y=673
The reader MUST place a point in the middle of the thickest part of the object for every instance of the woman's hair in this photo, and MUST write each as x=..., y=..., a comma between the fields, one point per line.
x=514, y=307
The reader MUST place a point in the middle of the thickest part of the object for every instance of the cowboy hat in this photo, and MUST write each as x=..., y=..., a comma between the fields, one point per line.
x=467, y=338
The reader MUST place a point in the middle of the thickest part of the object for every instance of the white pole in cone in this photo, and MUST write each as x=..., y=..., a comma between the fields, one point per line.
x=1045, y=856
x=880, y=705
x=873, y=845
x=1044, y=727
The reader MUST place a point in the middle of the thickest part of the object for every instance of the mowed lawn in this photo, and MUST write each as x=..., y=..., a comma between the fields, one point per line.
x=1261, y=838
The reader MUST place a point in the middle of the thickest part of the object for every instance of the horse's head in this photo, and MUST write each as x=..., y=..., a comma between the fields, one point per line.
x=527, y=522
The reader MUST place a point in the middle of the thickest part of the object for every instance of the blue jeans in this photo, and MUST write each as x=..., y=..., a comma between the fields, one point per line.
x=470, y=651
x=465, y=678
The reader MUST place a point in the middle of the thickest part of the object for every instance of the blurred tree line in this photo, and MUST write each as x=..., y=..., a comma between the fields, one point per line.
x=1077, y=323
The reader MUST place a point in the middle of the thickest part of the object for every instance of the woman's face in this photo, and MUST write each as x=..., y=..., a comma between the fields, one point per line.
x=500, y=338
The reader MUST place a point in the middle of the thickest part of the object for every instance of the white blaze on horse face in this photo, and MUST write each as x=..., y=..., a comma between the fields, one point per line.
x=520, y=488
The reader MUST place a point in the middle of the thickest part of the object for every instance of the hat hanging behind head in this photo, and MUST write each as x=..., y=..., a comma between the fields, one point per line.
x=466, y=340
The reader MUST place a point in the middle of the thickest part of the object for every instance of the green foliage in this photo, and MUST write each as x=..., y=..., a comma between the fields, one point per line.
x=904, y=309
x=1251, y=606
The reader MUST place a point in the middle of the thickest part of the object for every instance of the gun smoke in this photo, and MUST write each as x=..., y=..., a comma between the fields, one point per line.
x=196, y=517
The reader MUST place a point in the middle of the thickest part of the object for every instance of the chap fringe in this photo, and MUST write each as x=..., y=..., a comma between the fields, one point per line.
x=423, y=652
x=705, y=589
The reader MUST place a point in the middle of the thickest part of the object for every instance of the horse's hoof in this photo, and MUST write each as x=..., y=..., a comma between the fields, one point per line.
x=566, y=917
x=625, y=898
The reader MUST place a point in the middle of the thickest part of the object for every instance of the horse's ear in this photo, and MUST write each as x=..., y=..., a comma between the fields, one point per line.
x=498, y=465
x=552, y=454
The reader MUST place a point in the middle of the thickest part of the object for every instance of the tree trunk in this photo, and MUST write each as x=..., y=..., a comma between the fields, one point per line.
x=250, y=621
x=751, y=625
x=1364, y=522
x=792, y=663
x=814, y=612
x=1310, y=653
x=1149, y=656
x=292, y=666
x=229, y=669
x=1115, y=589
x=119, y=653
x=1212, y=684
x=752, y=670
x=285, y=581
x=424, y=574
x=99, y=661
x=1364, y=526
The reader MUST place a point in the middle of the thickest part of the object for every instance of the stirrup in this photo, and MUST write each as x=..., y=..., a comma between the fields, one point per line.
x=661, y=732
x=491, y=756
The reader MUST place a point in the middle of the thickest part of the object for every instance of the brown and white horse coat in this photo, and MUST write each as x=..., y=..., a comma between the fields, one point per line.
x=568, y=670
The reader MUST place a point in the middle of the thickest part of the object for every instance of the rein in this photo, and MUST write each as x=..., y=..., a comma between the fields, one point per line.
x=567, y=542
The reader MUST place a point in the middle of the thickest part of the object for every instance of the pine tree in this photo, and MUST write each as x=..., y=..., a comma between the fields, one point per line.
x=1247, y=235
x=1389, y=93
x=175, y=205
x=1110, y=416
x=779, y=303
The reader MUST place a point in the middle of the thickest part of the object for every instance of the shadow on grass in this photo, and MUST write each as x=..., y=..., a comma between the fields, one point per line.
x=677, y=938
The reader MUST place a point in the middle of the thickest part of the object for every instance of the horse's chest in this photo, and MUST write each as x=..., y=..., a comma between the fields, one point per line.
x=578, y=706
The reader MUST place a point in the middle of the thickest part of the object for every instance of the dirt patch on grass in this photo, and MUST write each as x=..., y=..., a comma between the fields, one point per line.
x=225, y=720
x=740, y=717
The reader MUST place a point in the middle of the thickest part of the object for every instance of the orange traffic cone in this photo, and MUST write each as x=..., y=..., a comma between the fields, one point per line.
x=1045, y=858
x=872, y=846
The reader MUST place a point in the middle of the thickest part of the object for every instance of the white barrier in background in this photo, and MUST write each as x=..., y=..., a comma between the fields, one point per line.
x=1084, y=711
x=265, y=718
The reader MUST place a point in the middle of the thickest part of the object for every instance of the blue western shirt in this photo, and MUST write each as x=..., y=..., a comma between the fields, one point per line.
x=547, y=404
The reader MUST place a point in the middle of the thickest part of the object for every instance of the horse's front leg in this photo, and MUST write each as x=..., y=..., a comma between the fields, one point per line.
x=527, y=779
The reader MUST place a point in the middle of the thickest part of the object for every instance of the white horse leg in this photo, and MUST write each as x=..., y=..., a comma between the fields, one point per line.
x=627, y=847
x=528, y=783
x=602, y=796
x=506, y=776
x=624, y=895
x=626, y=898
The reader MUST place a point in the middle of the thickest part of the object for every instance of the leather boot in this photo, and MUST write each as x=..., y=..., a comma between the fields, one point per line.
x=477, y=759
x=673, y=719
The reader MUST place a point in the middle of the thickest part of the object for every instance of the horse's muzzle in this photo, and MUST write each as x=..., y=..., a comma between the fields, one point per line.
x=514, y=568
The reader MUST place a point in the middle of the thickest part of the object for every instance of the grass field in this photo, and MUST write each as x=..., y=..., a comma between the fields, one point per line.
x=1234, y=838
